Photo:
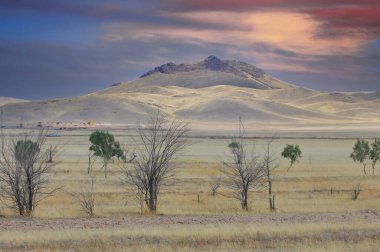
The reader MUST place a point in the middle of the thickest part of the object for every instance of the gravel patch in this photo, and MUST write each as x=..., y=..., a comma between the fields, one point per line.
x=25, y=224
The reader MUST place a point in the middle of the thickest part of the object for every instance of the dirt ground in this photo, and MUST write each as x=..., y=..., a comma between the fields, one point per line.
x=25, y=224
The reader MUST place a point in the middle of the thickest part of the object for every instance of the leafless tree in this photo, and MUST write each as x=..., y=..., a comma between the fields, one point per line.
x=128, y=155
x=91, y=161
x=215, y=183
x=357, y=189
x=152, y=166
x=86, y=199
x=51, y=152
x=269, y=164
x=244, y=170
x=24, y=168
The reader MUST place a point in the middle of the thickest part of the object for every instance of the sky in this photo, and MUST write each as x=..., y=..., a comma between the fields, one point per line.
x=61, y=48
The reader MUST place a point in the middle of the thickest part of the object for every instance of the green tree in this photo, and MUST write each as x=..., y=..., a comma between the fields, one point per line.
x=293, y=153
x=234, y=145
x=361, y=152
x=25, y=151
x=103, y=145
x=374, y=153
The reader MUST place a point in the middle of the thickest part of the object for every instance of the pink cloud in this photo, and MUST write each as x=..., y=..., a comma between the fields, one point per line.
x=362, y=21
x=359, y=20
x=271, y=4
x=289, y=32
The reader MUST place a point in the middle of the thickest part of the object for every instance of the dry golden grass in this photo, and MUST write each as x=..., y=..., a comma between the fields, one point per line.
x=294, y=191
x=279, y=237
x=306, y=188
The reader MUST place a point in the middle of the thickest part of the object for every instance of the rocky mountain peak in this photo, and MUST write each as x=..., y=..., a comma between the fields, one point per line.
x=215, y=64
x=211, y=63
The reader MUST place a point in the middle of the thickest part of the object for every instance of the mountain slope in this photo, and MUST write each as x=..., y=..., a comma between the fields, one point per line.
x=209, y=72
x=211, y=91
x=7, y=100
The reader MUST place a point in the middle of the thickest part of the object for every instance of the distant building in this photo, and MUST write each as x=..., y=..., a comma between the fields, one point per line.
x=91, y=123
x=67, y=125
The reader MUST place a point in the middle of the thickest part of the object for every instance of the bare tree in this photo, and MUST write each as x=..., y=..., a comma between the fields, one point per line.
x=356, y=192
x=52, y=152
x=86, y=199
x=216, y=183
x=24, y=166
x=152, y=166
x=128, y=155
x=269, y=165
x=244, y=170
x=91, y=161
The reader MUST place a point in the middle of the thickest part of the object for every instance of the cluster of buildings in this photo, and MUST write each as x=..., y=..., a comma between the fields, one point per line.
x=67, y=125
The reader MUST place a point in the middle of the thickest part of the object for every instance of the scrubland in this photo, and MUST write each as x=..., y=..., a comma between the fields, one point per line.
x=314, y=208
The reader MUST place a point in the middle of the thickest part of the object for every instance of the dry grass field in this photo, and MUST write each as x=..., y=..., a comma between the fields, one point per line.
x=315, y=211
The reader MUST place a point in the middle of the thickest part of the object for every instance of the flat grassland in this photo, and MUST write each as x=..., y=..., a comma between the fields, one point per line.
x=315, y=211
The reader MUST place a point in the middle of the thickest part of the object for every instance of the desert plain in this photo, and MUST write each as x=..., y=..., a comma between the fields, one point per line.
x=314, y=206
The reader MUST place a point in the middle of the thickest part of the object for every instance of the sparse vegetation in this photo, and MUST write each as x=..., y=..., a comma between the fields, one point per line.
x=52, y=152
x=103, y=145
x=243, y=170
x=24, y=169
x=86, y=198
x=374, y=154
x=293, y=153
x=153, y=165
x=304, y=198
x=269, y=165
x=356, y=192
x=361, y=153
x=215, y=183
x=343, y=235
x=91, y=161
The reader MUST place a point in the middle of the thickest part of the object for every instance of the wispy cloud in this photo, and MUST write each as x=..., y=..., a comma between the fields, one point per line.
x=292, y=39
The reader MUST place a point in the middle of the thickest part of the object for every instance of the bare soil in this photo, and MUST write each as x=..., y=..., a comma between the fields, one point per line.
x=25, y=224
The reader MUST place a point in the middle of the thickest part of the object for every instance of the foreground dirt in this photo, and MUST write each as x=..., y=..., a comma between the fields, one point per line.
x=25, y=224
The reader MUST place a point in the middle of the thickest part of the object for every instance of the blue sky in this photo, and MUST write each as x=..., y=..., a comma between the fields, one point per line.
x=54, y=48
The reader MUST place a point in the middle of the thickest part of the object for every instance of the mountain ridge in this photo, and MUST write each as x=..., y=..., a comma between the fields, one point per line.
x=212, y=71
x=208, y=92
x=211, y=63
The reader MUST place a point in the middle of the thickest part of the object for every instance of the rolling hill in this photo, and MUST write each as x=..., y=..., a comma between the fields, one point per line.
x=8, y=100
x=209, y=92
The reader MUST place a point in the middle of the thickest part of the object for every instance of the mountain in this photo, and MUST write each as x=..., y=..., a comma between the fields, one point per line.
x=7, y=100
x=208, y=93
x=209, y=72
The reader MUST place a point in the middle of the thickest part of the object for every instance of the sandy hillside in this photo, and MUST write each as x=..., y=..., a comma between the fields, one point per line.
x=8, y=100
x=209, y=91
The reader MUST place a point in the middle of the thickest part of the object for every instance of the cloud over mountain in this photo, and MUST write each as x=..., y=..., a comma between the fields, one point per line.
x=84, y=46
